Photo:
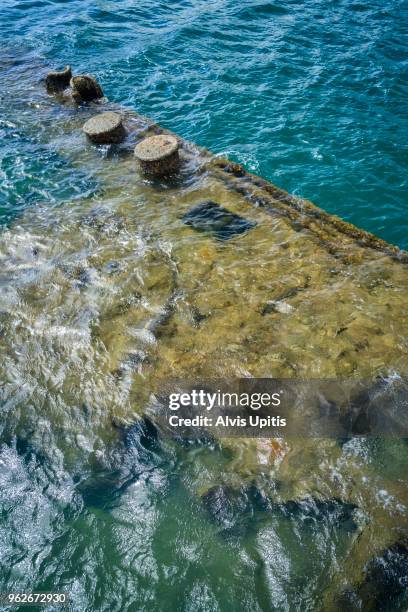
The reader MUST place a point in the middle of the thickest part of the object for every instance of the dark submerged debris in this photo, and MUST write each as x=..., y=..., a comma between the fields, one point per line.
x=235, y=169
x=197, y=316
x=211, y=218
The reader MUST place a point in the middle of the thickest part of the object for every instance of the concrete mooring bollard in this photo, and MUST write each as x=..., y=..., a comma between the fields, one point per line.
x=85, y=88
x=58, y=81
x=105, y=128
x=158, y=155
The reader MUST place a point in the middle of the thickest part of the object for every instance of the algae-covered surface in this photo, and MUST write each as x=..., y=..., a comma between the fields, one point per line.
x=110, y=293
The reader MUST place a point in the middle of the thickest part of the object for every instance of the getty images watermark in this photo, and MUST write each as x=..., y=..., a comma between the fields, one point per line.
x=214, y=401
x=281, y=407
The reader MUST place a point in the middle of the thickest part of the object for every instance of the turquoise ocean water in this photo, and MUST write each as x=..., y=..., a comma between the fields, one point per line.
x=310, y=94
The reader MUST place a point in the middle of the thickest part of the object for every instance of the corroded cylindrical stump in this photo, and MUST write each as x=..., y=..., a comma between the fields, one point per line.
x=158, y=155
x=105, y=128
x=85, y=88
x=58, y=81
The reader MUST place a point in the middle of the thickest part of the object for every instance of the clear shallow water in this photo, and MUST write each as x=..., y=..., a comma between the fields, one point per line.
x=91, y=505
x=307, y=93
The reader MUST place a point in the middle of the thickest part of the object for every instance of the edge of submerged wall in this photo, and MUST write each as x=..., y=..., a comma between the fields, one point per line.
x=302, y=213
x=261, y=192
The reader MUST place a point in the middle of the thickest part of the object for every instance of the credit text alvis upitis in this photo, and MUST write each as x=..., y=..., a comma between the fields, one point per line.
x=201, y=399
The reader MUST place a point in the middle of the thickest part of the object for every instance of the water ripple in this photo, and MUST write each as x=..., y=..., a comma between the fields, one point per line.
x=307, y=94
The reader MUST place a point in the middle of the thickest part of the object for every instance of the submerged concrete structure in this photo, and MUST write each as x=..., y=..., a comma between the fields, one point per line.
x=85, y=88
x=113, y=294
x=58, y=81
x=158, y=155
x=105, y=128
x=303, y=293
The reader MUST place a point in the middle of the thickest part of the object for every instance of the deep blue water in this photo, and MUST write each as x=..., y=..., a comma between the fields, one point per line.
x=308, y=93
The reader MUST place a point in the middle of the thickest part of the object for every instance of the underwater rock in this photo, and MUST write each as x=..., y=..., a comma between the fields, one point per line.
x=235, y=510
x=143, y=434
x=105, y=128
x=311, y=509
x=139, y=453
x=225, y=505
x=85, y=88
x=386, y=576
x=58, y=81
x=101, y=488
x=379, y=409
x=211, y=218
x=158, y=155
x=384, y=585
x=241, y=509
